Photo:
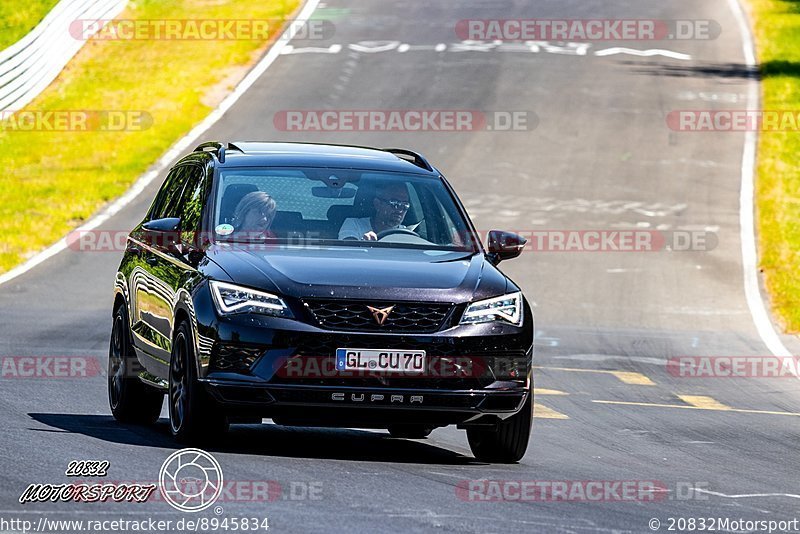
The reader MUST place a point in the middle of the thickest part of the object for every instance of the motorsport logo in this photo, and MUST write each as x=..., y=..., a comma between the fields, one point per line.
x=101, y=491
x=190, y=480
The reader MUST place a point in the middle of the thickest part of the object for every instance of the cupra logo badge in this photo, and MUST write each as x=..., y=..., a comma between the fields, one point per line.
x=380, y=314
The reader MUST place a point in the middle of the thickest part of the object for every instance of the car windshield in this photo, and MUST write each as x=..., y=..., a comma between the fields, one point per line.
x=342, y=207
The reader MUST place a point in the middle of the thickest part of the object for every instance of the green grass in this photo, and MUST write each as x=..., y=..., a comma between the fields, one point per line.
x=18, y=18
x=777, y=29
x=52, y=181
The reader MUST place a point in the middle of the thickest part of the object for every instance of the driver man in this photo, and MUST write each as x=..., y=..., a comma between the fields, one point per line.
x=389, y=205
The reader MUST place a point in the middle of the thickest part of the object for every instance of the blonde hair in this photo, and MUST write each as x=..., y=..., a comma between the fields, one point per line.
x=254, y=200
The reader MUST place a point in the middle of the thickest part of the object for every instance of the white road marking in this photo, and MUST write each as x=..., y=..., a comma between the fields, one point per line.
x=373, y=47
x=176, y=150
x=541, y=339
x=698, y=227
x=333, y=49
x=689, y=310
x=705, y=163
x=534, y=47
x=613, y=357
x=643, y=53
x=747, y=495
x=729, y=98
x=491, y=203
x=747, y=207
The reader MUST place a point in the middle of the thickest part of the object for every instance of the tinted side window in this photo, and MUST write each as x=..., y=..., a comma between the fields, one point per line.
x=171, y=206
x=192, y=200
x=171, y=187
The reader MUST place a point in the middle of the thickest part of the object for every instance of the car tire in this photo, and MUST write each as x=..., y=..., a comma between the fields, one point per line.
x=130, y=399
x=506, y=443
x=193, y=415
x=410, y=431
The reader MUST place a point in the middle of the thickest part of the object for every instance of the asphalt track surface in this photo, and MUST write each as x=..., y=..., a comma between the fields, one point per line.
x=600, y=157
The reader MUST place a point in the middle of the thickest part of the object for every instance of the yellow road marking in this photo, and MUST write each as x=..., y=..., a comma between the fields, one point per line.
x=542, y=391
x=628, y=377
x=701, y=401
x=684, y=407
x=543, y=412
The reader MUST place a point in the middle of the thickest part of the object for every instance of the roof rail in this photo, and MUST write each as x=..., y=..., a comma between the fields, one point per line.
x=216, y=148
x=416, y=158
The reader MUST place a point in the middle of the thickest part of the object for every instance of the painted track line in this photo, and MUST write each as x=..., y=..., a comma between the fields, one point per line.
x=176, y=149
x=688, y=407
x=643, y=53
x=703, y=401
x=747, y=205
x=628, y=377
x=543, y=412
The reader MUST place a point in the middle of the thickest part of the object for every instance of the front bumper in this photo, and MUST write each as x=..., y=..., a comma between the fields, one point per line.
x=285, y=370
x=370, y=407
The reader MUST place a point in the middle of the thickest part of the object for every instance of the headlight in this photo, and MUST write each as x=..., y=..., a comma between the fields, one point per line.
x=507, y=308
x=231, y=299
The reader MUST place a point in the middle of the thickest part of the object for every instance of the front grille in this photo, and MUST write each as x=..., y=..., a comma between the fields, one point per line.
x=403, y=317
x=233, y=358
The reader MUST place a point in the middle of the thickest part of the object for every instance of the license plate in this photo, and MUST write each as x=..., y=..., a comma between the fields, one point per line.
x=380, y=360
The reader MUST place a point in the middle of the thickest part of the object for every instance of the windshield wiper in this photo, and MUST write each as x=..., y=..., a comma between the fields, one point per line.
x=468, y=255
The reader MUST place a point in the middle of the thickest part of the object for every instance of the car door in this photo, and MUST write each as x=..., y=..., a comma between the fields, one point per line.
x=156, y=280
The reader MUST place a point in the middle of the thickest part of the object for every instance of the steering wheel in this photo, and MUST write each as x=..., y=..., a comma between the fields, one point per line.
x=392, y=231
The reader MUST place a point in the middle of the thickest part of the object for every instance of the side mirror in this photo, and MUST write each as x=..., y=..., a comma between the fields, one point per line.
x=163, y=233
x=168, y=224
x=504, y=246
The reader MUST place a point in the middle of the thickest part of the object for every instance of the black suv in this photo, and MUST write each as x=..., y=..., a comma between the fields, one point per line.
x=320, y=285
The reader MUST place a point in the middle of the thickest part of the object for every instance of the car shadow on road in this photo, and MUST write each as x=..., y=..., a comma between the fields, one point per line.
x=707, y=70
x=264, y=440
x=735, y=71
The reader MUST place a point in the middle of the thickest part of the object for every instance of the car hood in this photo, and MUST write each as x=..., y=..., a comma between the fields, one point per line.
x=361, y=272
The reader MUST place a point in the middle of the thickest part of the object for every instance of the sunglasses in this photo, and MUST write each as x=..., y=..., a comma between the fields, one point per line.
x=396, y=204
